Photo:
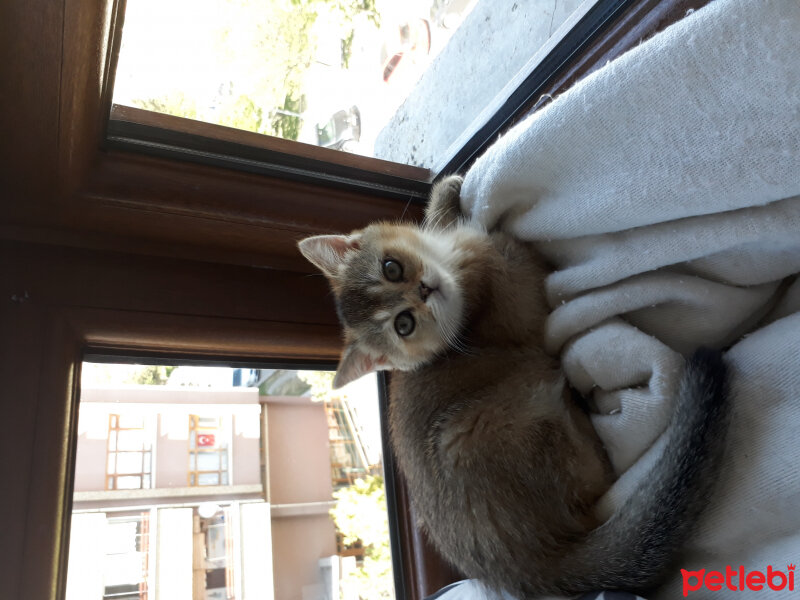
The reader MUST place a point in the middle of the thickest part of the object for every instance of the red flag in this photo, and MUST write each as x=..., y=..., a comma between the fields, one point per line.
x=204, y=440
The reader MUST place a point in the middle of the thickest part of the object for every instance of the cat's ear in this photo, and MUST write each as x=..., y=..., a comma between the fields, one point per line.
x=327, y=251
x=356, y=363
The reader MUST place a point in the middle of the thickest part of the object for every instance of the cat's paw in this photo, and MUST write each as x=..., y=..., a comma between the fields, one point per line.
x=444, y=207
x=449, y=187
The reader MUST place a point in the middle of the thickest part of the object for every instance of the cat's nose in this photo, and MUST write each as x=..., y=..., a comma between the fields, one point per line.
x=424, y=291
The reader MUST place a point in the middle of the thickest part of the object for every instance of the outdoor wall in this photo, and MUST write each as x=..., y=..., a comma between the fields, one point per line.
x=299, y=455
x=246, y=448
x=168, y=410
x=297, y=545
x=172, y=450
x=91, y=457
x=300, y=473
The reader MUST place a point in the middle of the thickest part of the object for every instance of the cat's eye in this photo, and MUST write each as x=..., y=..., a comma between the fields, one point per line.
x=392, y=270
x=404, y=323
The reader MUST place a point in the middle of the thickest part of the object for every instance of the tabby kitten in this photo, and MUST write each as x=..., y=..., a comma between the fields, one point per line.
x=502, y=466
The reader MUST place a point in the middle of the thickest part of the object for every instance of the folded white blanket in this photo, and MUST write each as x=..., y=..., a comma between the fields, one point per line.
x=665, y=189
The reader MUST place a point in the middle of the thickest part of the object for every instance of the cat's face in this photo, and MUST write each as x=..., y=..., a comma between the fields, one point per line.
x=397, y=294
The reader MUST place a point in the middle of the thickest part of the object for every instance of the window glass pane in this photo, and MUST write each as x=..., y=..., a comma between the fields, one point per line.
x=208, y=461
x=208, y=423
x=127, y=421
x=323, y=453
x=128, y=482
x=133, y=439
x=121, y=534
x=208, y=478
x=129, y=462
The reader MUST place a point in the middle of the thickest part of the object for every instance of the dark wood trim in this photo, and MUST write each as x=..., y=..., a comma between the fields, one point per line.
x=24, y=342
x=79, y=278
x=62, y=186
x=44, y=572
x=158, y=206
x=189, y=127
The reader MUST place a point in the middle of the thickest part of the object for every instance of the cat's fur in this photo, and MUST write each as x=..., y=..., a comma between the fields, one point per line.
x=503, y=468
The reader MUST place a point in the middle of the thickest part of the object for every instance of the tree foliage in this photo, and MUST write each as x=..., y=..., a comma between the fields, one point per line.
x=265, y=50
x=151, y=375
x=360, y=514
x=320, y=382
x=173, y=103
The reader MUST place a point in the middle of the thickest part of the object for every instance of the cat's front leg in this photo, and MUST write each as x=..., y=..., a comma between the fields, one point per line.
x=444, y=207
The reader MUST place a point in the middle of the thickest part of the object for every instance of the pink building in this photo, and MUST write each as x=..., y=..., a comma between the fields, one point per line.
x=192, y=493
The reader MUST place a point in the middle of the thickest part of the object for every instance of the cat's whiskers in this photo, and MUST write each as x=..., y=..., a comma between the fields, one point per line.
x=450, y=331
x=434, y=225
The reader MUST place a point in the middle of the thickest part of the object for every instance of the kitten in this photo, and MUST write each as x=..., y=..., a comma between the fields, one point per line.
x=502, y=466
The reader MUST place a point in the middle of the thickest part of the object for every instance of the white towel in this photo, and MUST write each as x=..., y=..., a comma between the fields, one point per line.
x=665, y=189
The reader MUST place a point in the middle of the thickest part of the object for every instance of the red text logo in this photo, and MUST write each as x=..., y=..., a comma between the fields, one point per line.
x=738, y=580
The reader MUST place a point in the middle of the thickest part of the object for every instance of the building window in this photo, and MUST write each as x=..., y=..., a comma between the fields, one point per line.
x=126, y=557
x=208, y=451
x=214, y=548
x=129, y=455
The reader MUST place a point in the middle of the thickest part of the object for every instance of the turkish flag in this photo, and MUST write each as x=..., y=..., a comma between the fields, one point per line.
x=204, y=440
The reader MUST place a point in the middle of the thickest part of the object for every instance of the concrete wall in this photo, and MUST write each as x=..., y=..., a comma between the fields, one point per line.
x=492, y=45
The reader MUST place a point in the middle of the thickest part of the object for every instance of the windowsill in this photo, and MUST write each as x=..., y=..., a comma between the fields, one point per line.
x=185, y=495
x=95, y=499
x=302, y=509
x=505, y=39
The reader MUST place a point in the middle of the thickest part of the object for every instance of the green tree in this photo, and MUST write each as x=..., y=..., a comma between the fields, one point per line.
x=172, y=103
x=360, y=514
x=268, y=48
x=276, y=47
x=320, y=382
x=286, y=121
x=151, y=375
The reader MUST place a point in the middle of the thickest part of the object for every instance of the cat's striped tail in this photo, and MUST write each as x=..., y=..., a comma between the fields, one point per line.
x=636, y=547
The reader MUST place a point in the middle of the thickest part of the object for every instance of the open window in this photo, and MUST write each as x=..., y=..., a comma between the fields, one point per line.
x=199, y=482
x=365, y=95
x=134, y=233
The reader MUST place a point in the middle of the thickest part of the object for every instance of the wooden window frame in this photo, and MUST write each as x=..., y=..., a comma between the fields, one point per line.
x=194, y=474
x=106, y=250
